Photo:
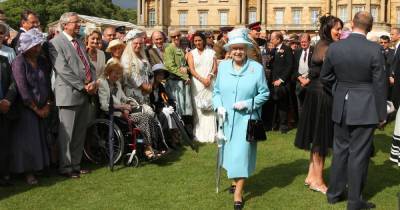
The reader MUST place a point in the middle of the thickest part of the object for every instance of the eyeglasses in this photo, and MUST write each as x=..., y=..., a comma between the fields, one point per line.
x=257, y=29
x=176, y=36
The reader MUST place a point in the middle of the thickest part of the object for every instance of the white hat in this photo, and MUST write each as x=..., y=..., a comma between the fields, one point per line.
x=30, y=39
x=133, y=34
x=238, y=36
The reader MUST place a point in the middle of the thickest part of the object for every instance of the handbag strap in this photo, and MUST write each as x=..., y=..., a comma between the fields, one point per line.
x=252, y=109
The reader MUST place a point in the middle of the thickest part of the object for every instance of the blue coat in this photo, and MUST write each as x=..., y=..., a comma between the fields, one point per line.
x=231, y=86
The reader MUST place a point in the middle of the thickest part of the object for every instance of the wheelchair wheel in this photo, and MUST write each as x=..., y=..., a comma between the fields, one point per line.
x=133, y=163
x=96, y=143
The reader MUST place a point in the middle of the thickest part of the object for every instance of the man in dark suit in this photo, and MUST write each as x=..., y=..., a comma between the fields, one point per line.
x=75, y=80
x=395, y=67
x=302, y=63
x=388, y=54
x=107, y=36
x=355, y=69
x=282, y=66
x=29, y=20
x=8, y=93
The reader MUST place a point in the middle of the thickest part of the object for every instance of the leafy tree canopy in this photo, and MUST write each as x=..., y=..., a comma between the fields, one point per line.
x=51, y=10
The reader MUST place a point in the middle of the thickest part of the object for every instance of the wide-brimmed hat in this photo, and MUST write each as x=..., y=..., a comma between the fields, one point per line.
x=158, y=67
x=114, y=43
x=30, y=39
x=238, y=36
x=134, y=33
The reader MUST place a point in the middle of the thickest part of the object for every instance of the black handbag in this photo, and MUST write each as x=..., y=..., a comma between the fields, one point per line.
x=255, y=128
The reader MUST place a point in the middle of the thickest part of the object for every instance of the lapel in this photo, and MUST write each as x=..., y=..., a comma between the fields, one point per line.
x=71, y=55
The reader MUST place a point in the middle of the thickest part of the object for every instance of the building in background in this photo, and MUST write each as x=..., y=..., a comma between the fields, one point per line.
x=288, y=15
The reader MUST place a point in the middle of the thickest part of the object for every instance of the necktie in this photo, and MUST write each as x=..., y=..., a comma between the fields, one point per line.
x=85, y=62
x=305, y=55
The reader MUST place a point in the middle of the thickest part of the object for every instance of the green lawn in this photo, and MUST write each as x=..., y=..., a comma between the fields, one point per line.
x=185, y=180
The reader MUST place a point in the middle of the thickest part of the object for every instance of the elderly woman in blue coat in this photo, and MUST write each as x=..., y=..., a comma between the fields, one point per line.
x=240, y=80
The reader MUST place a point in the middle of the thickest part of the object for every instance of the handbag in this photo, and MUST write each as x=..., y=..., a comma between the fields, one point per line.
x=203, y=100
x=255, y=128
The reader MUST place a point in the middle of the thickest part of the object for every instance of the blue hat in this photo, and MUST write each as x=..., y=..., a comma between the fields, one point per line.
x=238, y=36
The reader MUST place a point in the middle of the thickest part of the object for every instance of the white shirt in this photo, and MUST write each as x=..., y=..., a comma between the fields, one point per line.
x=303, y=65
x=69, y=37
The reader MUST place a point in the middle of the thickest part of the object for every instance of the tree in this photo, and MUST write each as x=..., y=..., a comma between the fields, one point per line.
x=51, y=10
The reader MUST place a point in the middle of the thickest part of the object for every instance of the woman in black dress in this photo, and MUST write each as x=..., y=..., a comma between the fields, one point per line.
x=315, y=129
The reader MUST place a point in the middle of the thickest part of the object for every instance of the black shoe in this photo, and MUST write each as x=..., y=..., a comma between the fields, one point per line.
x=368, y=205
x=337, y=199
x=238, y=205
x=284, y=129
x=5, y=182
x=232, y=189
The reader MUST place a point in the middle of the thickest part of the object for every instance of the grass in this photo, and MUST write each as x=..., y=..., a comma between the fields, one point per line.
x=186, y=180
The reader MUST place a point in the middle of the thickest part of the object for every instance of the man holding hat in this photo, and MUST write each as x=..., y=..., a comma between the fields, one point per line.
x=219, y=46
x=254, y=34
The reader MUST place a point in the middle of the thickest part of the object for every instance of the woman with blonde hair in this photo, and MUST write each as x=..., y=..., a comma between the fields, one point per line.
x=137, y=69
x=96, y=56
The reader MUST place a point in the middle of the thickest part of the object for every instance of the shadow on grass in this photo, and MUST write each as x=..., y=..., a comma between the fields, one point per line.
x=176, y=155
x=278, y=176
x=382, y=143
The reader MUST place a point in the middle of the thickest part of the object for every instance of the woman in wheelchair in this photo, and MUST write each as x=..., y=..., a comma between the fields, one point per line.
x=162, y=106
x=125, y=107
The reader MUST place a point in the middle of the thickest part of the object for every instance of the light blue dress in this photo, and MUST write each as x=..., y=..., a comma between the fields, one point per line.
x=231, y=86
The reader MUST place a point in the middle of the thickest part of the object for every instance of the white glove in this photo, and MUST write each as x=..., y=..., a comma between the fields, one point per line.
x=239, y=105
x=168, y=110
x=221, y=112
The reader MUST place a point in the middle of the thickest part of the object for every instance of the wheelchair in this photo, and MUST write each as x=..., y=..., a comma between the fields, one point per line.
x=125, y=138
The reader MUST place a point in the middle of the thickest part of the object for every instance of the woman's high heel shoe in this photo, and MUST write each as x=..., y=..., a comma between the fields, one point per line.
x=232, y=189
x=238, y=205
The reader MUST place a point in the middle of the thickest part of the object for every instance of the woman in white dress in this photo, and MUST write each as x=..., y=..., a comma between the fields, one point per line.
x=203, y=67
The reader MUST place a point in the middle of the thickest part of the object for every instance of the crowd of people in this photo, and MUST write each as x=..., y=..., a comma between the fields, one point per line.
x=52, y=87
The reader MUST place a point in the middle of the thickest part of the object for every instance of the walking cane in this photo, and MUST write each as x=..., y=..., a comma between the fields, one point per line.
x=220, y=138
x=111, y=132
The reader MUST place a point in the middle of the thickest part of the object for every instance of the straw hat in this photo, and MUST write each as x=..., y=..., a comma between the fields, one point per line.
x=115, y=43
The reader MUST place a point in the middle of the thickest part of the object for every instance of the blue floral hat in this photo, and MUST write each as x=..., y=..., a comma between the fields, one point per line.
x=238, y=36
x=30, y=39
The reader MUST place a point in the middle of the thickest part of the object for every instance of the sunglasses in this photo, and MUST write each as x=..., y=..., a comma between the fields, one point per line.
x=176, y=36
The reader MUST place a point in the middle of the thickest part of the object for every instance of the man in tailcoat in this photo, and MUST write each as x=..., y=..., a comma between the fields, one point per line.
x=354, y=68
x=282, y=66
x=388, y=54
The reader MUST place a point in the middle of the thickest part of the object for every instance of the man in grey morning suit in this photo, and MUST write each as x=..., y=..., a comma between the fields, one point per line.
x=355, y=69
x=75, y=81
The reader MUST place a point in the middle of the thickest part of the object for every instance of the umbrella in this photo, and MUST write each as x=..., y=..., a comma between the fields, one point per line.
x=220, y=138
x=111, y=132
x=180, y=124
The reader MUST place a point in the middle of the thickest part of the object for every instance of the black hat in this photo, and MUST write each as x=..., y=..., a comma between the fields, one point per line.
x=226, y=29
x=254, y=26
x=120, y=29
